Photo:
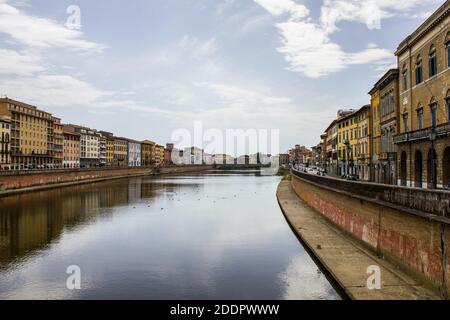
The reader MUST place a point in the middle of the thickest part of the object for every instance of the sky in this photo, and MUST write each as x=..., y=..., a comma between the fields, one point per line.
x=145, y=69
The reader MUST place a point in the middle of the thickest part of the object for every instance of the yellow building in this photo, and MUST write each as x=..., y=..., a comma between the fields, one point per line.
x=331, y=151
x=347, y=126
x=159, y=154
x=363, y=144
x=58, y=141
x=385, y=112
x=5, y=133
x=375, y=129
x=423, y=143
x=147, y=150
x=120, y=152
x=71, y=149
x=31, y=134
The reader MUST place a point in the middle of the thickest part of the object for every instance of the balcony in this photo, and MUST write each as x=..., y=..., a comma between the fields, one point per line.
x=363, y=156
x=388, y=156
x=424, y=134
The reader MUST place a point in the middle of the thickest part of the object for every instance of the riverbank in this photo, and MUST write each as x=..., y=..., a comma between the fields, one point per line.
x=346, y=259
x=28, y=181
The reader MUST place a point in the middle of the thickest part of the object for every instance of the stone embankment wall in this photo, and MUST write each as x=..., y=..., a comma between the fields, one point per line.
x=409, y=227
x=13, y=182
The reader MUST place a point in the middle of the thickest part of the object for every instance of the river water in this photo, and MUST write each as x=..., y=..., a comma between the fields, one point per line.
x=210, y=236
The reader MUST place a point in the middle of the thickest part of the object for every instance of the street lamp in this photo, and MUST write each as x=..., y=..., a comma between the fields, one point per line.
x=347, y=155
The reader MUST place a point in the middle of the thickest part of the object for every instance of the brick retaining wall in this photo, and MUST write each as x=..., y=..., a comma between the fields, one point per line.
x=13, y=181
x=409, y=227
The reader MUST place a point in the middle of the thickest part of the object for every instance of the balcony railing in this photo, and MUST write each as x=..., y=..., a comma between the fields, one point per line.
x=424, y=134
x=363, y=156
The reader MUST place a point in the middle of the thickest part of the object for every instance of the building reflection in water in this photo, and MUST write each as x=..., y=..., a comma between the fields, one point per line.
x=30, y=222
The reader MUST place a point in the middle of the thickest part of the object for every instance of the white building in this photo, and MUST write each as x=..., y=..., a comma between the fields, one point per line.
x=208, y=158
x=89, y=145
x=134, y=153
x=102, y=150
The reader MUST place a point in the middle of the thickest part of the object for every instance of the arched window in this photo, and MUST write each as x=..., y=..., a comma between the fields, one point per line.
x=403, y=168
x=433, y=110
x=418, y=164
x=432, y=169
x=405, y=78
x=432, y=62
x=419, y=70
x=446, y=168
x=405, y=122
x=419, y=111
x=447, y=48
x=393, y=102
x=447, y=104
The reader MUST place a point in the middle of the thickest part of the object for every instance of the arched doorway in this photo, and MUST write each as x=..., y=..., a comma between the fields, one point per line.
x=432, y=169
x=403, y=168
x=418, y=170
x=446, y=168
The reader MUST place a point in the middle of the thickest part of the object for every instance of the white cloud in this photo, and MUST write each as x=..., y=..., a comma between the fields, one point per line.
x=19, y=63
x=368, y=11
x=54, y=90
x=307, y=44
x=239, y=96
x=280, y=7
x=309, y=50
x=38, y=32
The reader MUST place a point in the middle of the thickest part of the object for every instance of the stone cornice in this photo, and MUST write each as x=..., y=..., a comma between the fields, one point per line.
x=438, y=16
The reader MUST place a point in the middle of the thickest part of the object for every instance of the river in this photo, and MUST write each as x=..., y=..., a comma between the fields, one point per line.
x=208, y=236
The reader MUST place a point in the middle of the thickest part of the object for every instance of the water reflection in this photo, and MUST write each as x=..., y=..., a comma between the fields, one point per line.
x=216, y=236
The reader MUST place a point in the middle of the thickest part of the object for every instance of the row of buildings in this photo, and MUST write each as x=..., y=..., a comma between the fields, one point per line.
x=403, y=136
x=298, y=156
x=33, y=138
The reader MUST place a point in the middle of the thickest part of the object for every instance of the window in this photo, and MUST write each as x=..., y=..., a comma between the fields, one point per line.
x=405, y=79
x=420, y=119
x=405, y=122
x=392, y=102
x=448, y=109
x=432, y=64
x=447, y=50
x=434, y=115
x=419, y=73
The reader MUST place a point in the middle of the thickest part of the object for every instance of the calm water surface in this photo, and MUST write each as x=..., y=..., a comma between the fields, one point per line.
x=213, y=236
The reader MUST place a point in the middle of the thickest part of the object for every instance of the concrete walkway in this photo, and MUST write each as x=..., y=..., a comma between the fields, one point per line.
x=345, y=258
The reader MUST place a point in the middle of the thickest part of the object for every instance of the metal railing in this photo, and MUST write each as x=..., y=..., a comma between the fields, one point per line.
x=423, y=134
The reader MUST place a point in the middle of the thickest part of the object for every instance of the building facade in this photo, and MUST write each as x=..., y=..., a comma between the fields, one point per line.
x=423, y=142
x=347, y=141
x=385, y=111
x=58, y=142
x=159, y=155
x=147, y=149
x=168, y=153
x=5, y=133
x=331, y=150
x=31, y=138
x=109, y=141
x=103, y=150
x=134, y=153
x=299, y=155
x=89, y=145
x=71, y=150
x=363, y=145
x=120, y=152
